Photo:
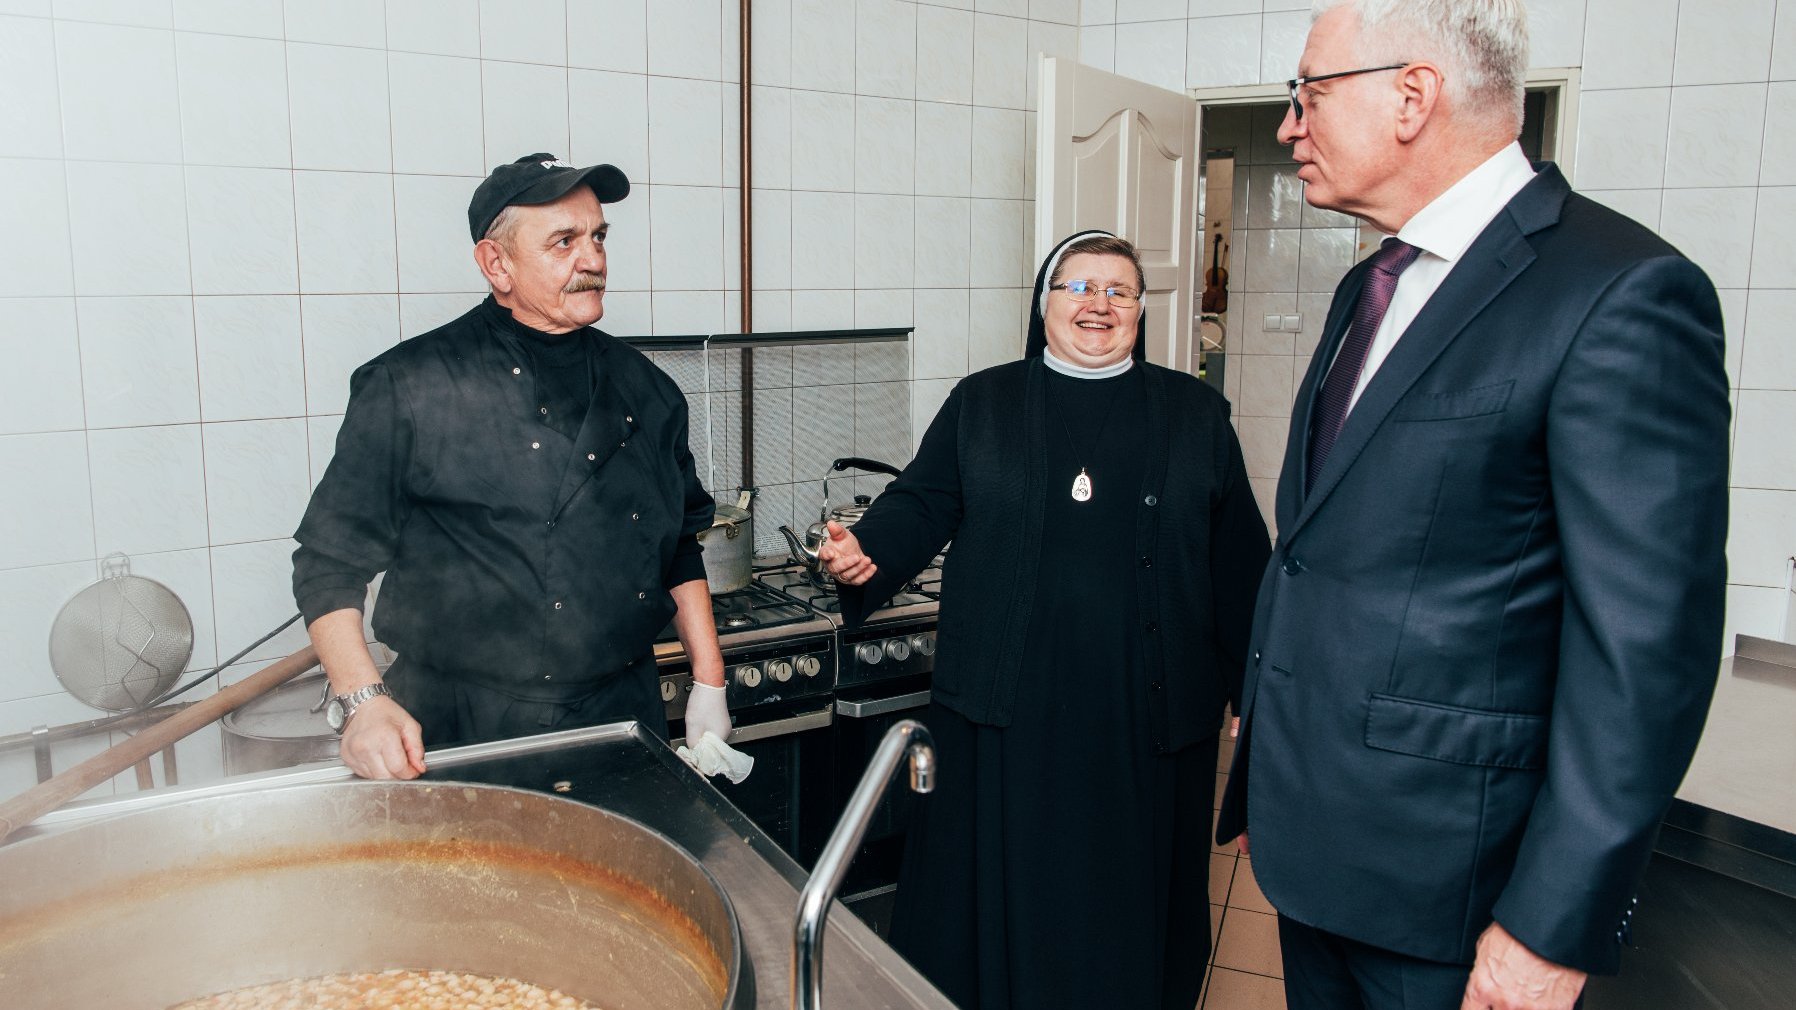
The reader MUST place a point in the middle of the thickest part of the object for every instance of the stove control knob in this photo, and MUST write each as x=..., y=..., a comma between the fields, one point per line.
x=669, y=690
x=810, y=666
x=748, y=676
x=870, y=653
x=780, y=670
x=898, y=649
x=923, y=645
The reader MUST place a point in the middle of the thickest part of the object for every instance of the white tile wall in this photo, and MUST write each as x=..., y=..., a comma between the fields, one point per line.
x=40, y=390
x=149, y=488
x=240, y=230
x=28, y=121
x=250, y=356
x=100, y=120
x=137, y=361
x=218, y=210
x=441, y=27
x=436, y=114
x=108, y=200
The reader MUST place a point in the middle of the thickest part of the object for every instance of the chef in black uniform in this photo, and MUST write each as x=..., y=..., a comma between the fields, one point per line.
x=524, y=481
x=1095, y=611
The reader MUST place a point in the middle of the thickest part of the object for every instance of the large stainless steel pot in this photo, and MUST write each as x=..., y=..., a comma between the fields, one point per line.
x=729, y=548
x=282, y=728
x=143, y=911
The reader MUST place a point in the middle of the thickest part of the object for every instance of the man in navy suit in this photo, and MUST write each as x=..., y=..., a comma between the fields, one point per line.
x=1487, y=638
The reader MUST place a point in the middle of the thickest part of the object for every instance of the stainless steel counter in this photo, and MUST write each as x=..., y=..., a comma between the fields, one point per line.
x=630, y=772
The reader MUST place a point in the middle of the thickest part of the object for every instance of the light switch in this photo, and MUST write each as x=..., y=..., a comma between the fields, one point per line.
x=1272, y=323
x=1294, y=324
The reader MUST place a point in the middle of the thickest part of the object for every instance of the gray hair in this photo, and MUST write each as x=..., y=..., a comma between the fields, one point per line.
x=1481, y=46
x=505, y=226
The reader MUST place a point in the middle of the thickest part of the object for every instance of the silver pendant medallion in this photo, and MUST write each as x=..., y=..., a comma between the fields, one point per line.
x=1081, y=486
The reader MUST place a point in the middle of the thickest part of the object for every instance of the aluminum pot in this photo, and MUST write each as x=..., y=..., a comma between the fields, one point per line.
x=729, y=548
x=147, y=910
x=282, y=728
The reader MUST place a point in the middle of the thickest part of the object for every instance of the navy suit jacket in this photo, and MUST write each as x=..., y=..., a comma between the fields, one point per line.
x=1487, y=638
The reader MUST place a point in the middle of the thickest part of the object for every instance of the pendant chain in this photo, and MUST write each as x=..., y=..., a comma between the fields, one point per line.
x=1082, y=489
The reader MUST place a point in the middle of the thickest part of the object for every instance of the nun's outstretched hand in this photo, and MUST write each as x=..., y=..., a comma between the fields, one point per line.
x=842, y=557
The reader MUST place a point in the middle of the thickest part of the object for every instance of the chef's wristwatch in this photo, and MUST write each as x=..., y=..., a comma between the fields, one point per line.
x=340, y=707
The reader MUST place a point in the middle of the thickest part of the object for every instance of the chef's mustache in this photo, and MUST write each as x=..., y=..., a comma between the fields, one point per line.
x=585, y=282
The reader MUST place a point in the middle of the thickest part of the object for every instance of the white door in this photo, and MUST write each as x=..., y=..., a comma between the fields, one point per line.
x=1121, y=155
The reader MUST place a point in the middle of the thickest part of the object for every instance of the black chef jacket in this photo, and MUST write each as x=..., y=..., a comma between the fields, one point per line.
x=517, y=559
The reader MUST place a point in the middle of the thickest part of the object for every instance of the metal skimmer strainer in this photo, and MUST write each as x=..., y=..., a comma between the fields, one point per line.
x=122, y=642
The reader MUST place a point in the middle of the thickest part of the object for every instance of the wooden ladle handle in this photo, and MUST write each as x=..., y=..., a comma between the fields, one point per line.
x=53, y=792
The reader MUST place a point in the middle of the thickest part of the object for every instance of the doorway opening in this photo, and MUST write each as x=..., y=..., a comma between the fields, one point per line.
x=1269, y=262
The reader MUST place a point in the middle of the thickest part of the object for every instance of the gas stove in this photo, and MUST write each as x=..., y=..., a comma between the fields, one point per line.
x=783, y=639
x=921, y=597
x=810, y=700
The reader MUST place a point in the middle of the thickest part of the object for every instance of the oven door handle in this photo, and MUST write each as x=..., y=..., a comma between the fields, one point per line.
x=779, y=727
x=881, y=706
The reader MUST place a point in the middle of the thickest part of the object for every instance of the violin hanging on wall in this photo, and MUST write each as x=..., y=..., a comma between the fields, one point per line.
x=1216, y=281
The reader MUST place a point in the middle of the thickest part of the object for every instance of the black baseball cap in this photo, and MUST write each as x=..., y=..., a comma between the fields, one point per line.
x=539, y=178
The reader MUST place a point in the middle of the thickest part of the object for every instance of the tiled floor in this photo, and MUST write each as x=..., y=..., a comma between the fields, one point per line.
x=1245, y=972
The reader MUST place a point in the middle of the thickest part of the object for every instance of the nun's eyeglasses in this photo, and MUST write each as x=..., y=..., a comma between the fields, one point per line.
x=1085, y=291
x=1295, y=83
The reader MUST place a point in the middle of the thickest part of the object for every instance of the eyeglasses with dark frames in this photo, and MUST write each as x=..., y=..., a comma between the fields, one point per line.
x=1297, y=82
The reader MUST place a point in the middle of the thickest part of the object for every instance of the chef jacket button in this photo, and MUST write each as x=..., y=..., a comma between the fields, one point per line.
x=1147, y=562
x=517, y=371
x=1159, y=748
x=591, y=456
x=1256, y=655
x=635, y=516
x=1150, y=501
x=543, y=409
x=536, y=445
x=1152, y=627
x=629, y=420
x=550, y=524
x=1156, y=685
x=547, y=676
x=642, y=596
x=557, y=604
x=620, y=445
x=1292, y=566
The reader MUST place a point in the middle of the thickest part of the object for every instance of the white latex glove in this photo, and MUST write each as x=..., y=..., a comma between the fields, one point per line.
x=706, y=711
x=711, y=756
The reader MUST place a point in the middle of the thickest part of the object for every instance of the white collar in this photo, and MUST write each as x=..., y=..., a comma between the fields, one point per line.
x=1451, y=221
x=1081, y=372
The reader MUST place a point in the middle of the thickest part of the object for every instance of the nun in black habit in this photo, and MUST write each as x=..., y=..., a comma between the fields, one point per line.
x=1096, y=604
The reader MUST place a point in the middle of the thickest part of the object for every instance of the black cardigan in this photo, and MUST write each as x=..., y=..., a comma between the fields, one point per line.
x=978, y=479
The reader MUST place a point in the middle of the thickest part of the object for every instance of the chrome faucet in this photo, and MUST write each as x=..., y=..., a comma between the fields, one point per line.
x=907, y=738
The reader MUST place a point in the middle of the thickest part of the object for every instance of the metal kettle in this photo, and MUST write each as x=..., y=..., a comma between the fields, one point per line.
x=805, y=547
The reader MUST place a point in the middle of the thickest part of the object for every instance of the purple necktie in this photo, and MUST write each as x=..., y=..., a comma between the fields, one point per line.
x=1336, y=394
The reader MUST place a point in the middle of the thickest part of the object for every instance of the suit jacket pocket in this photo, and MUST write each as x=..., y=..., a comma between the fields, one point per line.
x=1467, y=736
x=1478, y=400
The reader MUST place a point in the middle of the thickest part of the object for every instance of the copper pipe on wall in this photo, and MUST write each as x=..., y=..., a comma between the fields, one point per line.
x=747, y=255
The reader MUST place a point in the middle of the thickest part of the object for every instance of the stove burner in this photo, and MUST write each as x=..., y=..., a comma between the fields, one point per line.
x=739, y=621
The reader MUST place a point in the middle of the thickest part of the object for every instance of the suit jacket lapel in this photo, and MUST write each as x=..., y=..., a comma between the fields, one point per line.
x=1498, y=256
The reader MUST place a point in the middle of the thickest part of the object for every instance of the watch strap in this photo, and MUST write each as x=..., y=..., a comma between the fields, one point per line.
x=356, y=698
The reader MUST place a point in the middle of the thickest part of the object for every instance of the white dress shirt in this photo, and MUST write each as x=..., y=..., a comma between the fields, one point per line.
x=1444, y=230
